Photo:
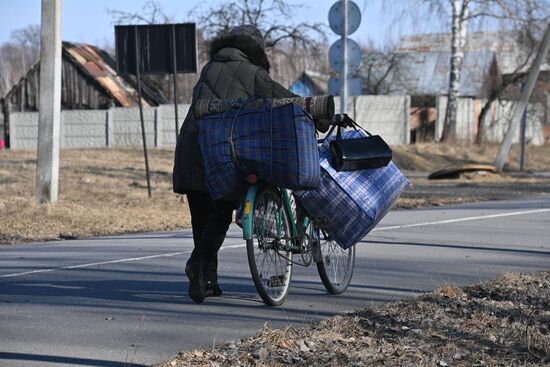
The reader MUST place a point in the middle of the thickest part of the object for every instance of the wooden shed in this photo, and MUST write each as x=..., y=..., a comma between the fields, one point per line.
x=89, y=80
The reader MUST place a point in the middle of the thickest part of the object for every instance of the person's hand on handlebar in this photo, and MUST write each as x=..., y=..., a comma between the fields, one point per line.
x=342, y=120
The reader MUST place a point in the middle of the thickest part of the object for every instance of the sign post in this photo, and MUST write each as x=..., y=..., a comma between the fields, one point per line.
x=174, y=75
x=344, y=55
x=140, y=103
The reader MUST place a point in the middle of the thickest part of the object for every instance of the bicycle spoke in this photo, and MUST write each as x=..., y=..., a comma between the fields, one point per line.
x=337, y=264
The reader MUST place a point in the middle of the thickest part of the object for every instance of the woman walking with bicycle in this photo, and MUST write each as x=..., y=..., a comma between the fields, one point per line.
x=238, y=69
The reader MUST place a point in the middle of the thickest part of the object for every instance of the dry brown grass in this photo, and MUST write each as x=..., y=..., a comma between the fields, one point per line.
x=102, y=191
x=432, y=157
x=498, y=323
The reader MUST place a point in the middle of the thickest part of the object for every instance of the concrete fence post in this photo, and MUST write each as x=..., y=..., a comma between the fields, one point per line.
x=407, y=118
x=441, y=106
x=156, y=125
x=159, y=126
x=109, y=124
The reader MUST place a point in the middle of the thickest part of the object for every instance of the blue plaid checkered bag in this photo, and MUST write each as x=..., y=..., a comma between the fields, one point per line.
x=279, y=144
x=352, y=202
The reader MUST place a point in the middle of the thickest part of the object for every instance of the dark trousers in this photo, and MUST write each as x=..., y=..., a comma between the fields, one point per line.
x=210, y=220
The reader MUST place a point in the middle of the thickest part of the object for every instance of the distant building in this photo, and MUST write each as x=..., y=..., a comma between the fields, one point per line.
x=424, y=71
x=88, y=81
x=310, y=83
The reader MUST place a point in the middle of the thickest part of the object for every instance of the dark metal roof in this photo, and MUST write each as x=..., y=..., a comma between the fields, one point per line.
x=509, y=54
x=427, y=73
x=426, y=62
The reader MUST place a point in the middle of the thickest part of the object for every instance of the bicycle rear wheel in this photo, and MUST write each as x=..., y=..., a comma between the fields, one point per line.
x=336, y=267
x=270, y=264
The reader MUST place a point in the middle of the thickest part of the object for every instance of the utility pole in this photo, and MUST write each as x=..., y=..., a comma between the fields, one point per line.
x=502, y=155
x=47, y=165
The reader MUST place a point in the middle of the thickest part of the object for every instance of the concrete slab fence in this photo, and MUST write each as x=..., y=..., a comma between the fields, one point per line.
x=498, y=120
x=116, y=127
x=387, y=116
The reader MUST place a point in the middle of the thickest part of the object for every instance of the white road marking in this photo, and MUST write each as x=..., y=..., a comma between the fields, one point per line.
x=465, y=219
x=80, y=266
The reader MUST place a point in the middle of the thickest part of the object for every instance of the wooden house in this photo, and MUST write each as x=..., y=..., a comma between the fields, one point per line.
x=89, y=80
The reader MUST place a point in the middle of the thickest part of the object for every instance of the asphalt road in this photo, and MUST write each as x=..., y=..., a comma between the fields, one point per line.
x=116, y=301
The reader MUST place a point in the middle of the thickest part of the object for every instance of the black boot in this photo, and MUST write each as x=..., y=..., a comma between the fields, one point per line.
x=213, y=289
x=195, y=274
x=211, y=278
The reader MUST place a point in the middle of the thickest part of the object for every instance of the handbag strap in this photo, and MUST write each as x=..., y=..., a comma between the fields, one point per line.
x=231, y=138
x=351, y=123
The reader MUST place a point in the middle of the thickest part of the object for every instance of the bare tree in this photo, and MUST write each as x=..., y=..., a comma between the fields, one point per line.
x=288, y=63
x=524, y=98
x=292, y=46
x=273, y=17
x=151, y=13
x=460, y=16
x=526, y=40
x=381, y=69
x=18, y=55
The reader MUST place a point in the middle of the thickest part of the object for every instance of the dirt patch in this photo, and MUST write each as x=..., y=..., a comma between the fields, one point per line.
x=504, y=322
x=103, y=191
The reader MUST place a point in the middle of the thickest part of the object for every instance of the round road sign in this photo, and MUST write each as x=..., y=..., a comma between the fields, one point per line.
x=335, y=57
x=335, y=18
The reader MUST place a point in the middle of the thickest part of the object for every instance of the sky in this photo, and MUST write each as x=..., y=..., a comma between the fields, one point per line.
x=87, y=21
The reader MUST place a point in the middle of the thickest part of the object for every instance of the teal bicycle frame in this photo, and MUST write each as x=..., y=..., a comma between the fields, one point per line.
x=248, y=210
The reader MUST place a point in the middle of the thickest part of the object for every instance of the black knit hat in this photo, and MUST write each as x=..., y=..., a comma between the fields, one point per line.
x=250, y=31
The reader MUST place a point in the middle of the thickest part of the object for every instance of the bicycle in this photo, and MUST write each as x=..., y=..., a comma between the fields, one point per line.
x=275, y=231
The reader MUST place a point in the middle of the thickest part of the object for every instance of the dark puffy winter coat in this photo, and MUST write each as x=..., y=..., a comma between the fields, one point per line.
x=239, y=68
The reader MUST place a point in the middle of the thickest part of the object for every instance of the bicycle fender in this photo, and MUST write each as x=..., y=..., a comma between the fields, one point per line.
x=248, y=209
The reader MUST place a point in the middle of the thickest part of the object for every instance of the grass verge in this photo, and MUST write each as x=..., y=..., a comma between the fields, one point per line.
x=504, y=322
x=103, y=191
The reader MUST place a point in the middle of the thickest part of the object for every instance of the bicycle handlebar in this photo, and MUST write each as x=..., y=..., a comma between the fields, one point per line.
x=342, y=120
x=320, y=107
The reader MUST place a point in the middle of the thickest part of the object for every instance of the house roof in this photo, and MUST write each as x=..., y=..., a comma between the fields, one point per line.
x=318, y=79
x=100, y=66
x=508, y=53
x=426, y=59
x=310, y=83
x=427, y=73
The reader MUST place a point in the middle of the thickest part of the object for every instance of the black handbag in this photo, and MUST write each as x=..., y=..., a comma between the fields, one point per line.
x=360, y=153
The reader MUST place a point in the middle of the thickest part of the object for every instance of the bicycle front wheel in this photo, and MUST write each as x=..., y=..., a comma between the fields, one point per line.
x=270, y=263
x=336, y=267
